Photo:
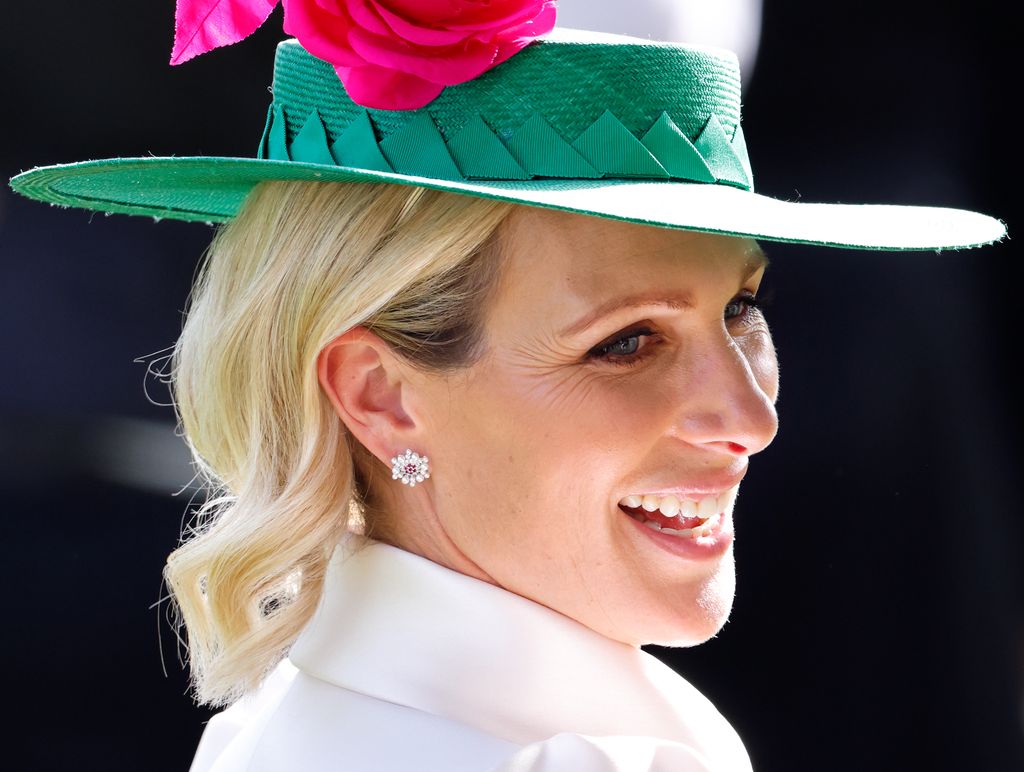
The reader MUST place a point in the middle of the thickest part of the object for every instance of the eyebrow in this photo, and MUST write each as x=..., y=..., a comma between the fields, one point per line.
x=677, y=302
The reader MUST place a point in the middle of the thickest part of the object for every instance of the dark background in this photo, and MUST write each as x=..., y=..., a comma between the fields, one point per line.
x=879, y=620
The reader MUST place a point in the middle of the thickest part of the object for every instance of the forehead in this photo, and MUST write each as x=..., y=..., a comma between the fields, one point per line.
x=571, y=262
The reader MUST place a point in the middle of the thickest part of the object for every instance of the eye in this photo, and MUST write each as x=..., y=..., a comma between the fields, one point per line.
x=623, y=348
x=741, y=306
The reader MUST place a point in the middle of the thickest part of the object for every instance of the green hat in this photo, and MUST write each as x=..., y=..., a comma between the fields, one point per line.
x=605, y=125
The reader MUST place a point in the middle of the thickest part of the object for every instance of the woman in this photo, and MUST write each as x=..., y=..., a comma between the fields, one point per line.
x=566, y=402
x=538, y=441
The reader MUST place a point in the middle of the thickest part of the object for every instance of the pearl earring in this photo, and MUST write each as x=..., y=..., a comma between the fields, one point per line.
x=410, y=467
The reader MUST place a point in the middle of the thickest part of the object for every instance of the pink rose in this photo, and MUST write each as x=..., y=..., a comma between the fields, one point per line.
x=399, y=54
x=390, y=54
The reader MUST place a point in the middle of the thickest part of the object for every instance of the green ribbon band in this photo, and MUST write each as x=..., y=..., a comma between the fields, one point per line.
x=605, y=149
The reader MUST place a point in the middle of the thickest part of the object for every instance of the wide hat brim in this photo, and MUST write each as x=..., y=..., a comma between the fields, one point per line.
x=653, y=137
x=212, y=189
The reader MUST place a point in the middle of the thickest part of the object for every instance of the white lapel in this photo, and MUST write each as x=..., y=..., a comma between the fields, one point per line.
x=396, y=626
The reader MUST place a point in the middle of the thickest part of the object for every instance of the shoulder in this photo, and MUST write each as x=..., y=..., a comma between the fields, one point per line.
x=226, y=734
x=569, y=751
x=297, y=721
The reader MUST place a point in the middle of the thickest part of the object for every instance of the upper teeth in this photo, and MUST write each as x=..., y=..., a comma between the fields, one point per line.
x=671, y=505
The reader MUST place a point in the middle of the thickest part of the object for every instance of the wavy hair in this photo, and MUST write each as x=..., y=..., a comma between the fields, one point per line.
x=300, y=264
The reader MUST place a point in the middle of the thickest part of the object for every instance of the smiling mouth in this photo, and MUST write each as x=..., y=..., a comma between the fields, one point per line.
x=682, y=517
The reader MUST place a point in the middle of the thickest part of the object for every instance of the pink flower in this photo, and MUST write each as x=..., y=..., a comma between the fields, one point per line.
x=390, y=54
x=202, y=25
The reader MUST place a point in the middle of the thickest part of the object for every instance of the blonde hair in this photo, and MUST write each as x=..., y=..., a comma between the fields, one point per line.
x=300, y=264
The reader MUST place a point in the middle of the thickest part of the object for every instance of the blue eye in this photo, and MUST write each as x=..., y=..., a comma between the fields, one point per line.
x=741, y=305
x=627, y=345
x=623, y=349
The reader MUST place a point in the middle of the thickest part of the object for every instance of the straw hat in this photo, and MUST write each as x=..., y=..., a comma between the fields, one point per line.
x=605, y=125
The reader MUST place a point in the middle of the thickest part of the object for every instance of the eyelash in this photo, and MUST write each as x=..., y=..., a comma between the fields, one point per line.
x=600, y=353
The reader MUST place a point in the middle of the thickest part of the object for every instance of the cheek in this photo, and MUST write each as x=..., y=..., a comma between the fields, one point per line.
x=759, y=349
x=599, y=420
x=569, y=445
x=553, y=444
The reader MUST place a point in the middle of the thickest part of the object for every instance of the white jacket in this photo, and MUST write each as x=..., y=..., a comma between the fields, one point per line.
x=408, y=666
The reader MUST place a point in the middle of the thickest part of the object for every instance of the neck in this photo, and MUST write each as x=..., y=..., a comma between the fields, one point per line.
x=407, y=518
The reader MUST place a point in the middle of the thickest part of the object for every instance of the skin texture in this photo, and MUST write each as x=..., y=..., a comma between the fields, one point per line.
x=533, y=447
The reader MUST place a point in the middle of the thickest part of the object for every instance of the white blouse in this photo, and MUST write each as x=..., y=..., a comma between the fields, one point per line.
x=408, y=666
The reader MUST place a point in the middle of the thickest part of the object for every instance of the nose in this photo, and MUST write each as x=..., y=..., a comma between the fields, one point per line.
x=728, y=397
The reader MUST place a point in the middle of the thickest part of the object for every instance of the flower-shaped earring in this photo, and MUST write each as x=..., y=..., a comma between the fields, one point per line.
x=410, y=468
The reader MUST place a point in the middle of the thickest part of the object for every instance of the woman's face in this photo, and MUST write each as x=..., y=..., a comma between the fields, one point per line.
x=622, y=360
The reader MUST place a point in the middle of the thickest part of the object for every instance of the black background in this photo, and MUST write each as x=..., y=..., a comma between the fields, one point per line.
x=879, y=620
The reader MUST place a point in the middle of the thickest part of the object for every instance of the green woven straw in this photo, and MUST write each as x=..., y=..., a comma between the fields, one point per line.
x=605, y=125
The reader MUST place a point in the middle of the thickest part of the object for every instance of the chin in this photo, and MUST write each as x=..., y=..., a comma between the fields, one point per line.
x=706, y=610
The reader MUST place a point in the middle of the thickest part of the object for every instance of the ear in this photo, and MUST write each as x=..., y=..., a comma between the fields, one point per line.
x=364, y=381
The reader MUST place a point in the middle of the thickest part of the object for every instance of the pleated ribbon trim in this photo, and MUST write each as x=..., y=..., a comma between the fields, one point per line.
x=604, y=149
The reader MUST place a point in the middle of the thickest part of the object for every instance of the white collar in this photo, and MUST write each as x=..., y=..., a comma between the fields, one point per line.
x=398, y=627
